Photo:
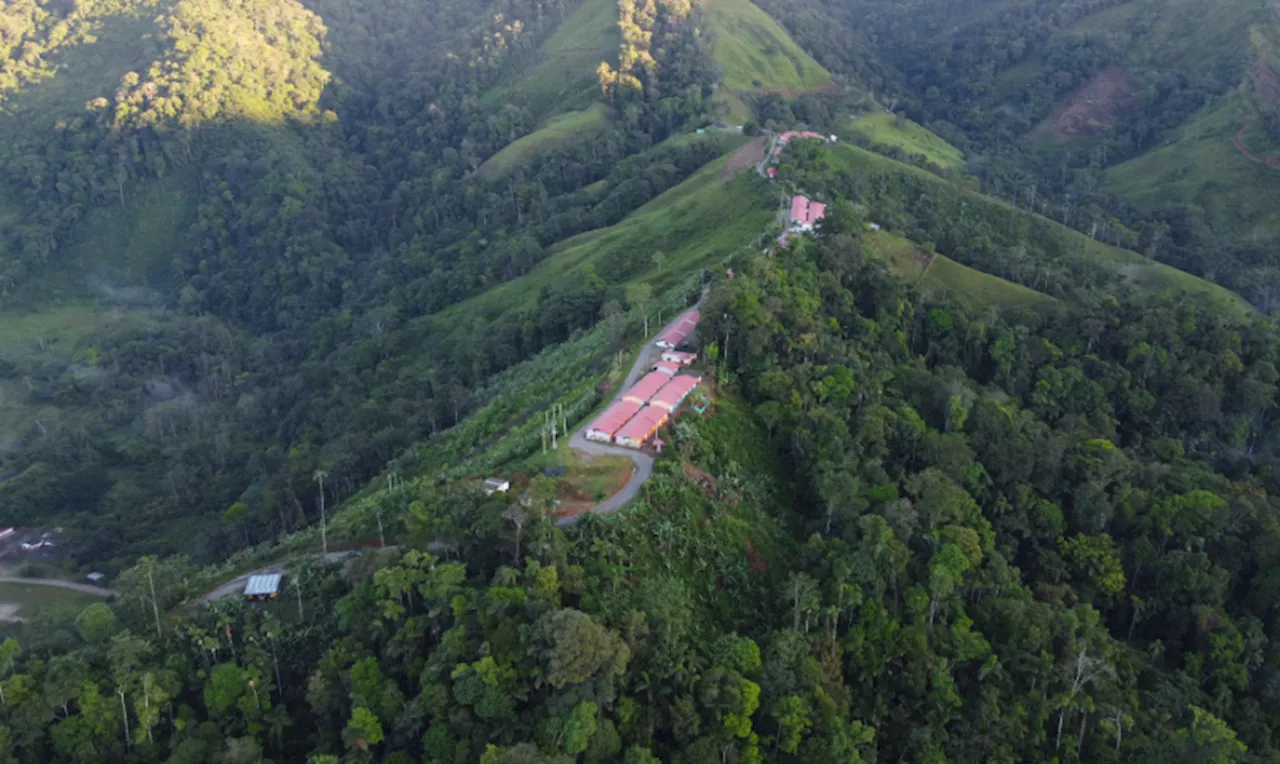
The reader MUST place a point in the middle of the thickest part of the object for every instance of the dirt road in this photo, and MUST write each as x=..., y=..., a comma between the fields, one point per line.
x=97, y=591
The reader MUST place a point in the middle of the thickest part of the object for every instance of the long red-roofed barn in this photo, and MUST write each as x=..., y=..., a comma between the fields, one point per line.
x=674, y=392
x=611, y=420
x=645, y=389
x=642, y=427
x=679, y=331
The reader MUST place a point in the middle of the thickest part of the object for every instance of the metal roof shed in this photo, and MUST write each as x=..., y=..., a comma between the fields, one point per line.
x=643, y=390
x=263, y=587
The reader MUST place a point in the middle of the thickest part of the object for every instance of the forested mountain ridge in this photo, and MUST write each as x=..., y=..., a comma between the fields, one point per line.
x=918, y=518
x=1151, y=113
x=275, y=215
x=266, y=289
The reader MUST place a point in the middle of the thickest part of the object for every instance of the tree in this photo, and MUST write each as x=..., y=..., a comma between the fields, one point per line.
x=126, y=654
x=574, y=648
x=363, y=729
x=319, y=477
x=640, y=300
x=579, y=728
x=96, y=622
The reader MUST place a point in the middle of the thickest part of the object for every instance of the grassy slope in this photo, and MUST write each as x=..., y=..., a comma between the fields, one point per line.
x=1135, y=268
x=881, y=128
x=758, y=54
x=563, y=74
x=557, y=131
x=1198, y=165
x=32, y=599
x=968, y=285
x=1202, y=167
x=694, y=225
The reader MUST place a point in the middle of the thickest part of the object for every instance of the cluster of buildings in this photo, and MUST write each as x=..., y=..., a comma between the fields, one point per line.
x=634, y=418
x=790, y=135
x=803, y=216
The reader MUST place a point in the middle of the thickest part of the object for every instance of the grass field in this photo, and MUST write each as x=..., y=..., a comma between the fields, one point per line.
x=586, y=480
x=563, y=74
x=30, y=599
x=557, y=131
x=758, y=54
x=881, y=128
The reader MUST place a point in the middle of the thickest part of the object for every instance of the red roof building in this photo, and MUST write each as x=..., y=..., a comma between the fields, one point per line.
x=805, y=214
x=667, y=367
x=679, y=331
x=642, y=427
x=612, y=420
x=673, y=394
x=645, y=389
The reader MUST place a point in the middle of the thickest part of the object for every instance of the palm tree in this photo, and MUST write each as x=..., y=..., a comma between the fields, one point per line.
x=319, y=477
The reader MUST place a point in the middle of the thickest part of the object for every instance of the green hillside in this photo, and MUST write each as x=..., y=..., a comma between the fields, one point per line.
x=562, y=75
x=758, y=54
x=940, y=273
x=934, y=205
x=694, y=225
x=883, y=129
x=555, y=132
x=1203, y=168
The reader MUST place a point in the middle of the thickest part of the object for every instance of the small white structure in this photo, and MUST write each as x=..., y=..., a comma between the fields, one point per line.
x=6, y=532
x=264, y=587
x=496, y=485
x=96, y=578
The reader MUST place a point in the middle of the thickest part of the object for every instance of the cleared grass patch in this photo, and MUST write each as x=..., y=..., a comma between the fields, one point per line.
x=30, y=599
x=937, y=272
x=882, y=128
x=1202, y=167
x=564, y=72
x=758, y=54
x=557, y=131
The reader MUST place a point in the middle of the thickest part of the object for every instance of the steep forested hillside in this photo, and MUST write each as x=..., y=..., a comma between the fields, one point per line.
x=907, y=531
x=279, y=276
x=214, y=248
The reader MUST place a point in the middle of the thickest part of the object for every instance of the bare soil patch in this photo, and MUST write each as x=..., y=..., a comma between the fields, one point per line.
x=1092, y=108
x=743, y=159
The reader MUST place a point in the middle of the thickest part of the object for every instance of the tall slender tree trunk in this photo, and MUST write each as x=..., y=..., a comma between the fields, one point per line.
x=155, y=605
x=124, y=714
